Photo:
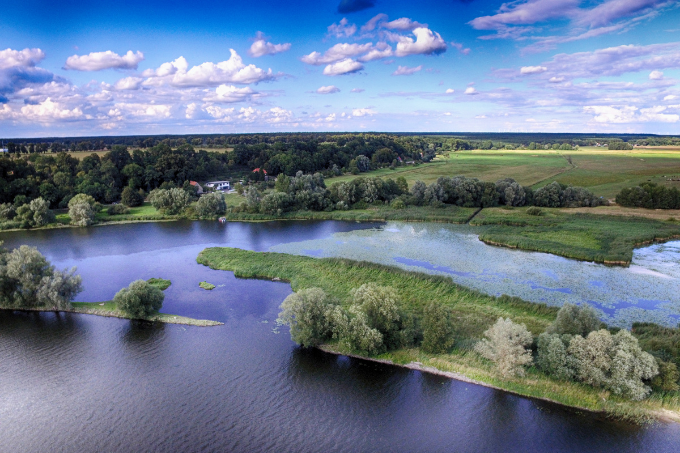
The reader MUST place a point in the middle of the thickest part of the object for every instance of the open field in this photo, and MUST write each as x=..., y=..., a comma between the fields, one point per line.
x=602, y=171
x=474, y=312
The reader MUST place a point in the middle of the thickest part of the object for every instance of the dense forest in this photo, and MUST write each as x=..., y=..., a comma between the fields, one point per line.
x=451, y=141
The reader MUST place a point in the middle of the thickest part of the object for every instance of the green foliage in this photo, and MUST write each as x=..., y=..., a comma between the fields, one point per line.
x=169, y=201
x=535, y=211
x=140, y=299
x=211, y=205
x=159, y=283
x=575, y=320
x=506, y=344
x=603, y=239
x=275, y=203
x=398, y=204
x=82, y=198
x=311, y=315
x=650, y=196
x=615, y=362
x=661, y=342
x=552, y=356
x=131, y=197
x=28, y=280
x=34, y=214
x=118, y=209
x=668, y=378
x=619, y=145
x=81, y=214
x=438, y=328
x=206, y=285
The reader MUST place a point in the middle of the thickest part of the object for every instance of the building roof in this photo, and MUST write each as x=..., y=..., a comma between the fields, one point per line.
x=263, y=171
x=219, y=182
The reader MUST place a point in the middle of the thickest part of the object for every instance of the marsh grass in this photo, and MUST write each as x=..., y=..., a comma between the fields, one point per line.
x=605, y=239
x=474, y=312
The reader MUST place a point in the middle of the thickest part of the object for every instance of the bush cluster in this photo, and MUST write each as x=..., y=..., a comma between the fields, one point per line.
x=28, y=280
x=140, y=299
x=170, y=201
x=650, y=196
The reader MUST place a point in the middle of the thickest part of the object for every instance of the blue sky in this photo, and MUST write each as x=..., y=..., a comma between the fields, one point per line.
x=120, y=68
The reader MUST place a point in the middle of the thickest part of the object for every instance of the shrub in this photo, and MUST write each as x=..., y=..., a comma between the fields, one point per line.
x=7, y=211
x=35, y=213
x=275, y=203
x=118, y=209
x=169, y=201
x=438, y=328
x=310, y=315
x=28, y=280
x=575, y=320
x=211, y=205
x=82, y=198
x=380, y=305
x=398, y=204
x=534, y=211
x=81, y=214
x=667, y=379
x=505, y=344
x=614, y=362
x=552, y=355
x=140, y=299
x=131, y=197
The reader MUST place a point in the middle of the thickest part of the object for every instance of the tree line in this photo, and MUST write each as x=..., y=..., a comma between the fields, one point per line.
x=649, y=195
x=576, y=346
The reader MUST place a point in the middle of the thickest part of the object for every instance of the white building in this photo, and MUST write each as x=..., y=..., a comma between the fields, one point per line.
x=219, y=185
x=4, y=150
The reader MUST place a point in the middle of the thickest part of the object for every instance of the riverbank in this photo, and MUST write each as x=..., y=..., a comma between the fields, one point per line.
x=599, y=235
x=474, y=312
x=109, y=310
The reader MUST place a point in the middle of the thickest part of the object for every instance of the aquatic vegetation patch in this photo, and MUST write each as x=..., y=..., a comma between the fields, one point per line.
x=206, y=285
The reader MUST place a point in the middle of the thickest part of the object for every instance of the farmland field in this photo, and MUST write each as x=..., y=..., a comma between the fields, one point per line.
x=602, y=171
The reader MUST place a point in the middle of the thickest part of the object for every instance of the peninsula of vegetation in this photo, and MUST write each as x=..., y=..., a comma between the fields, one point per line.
x=427, y=322
x=28, y=282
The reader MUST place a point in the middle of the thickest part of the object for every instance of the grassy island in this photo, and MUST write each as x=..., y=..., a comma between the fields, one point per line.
x=473, y=313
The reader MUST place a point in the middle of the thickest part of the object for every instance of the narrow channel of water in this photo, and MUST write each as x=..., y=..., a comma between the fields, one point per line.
x=84, y=383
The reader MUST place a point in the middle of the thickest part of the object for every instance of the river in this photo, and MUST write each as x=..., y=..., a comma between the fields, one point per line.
x=73, y=382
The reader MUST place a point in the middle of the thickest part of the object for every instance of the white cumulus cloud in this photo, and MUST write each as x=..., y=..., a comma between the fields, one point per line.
x=97, y=61
x=655, y=75
x=405, y=70
x=363, y=112
x=471, y=91
x=261, y=47
x=128, y=83
x=336, y=53
x=346, y=66
x=232, y=70
x=450, y=91
x=27, y=57
x=532, y=69
x=427, y=42
x=330, y=89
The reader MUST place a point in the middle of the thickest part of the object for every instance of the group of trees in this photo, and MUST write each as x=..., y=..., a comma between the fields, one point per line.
x=25, y=214
x=58, y=178
x=649, y=195
x=375, y=320
x=309, y=192
x=28, y=280
x=576, y=346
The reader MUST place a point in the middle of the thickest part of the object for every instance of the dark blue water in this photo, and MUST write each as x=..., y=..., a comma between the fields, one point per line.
x=90, y=384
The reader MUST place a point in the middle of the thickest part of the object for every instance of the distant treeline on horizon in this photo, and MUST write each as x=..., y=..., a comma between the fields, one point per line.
x=481, y=140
